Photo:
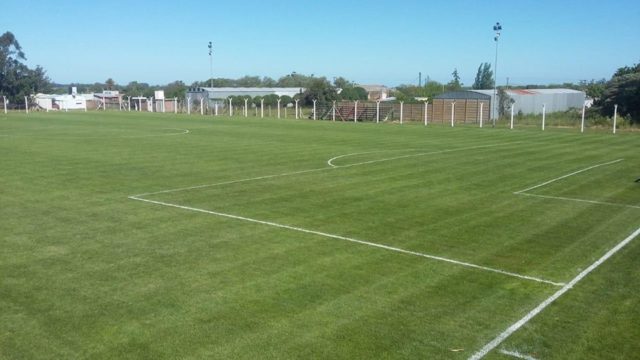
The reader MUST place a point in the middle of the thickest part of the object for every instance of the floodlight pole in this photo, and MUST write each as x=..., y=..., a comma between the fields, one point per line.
x=210, y=64
x=498, y=29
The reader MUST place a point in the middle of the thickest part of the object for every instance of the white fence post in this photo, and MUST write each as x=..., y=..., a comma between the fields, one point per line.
x=377, y=111
x=615, y=117
x=584, y=106
x=297, y=108
x=201, y=106
x=215, y=109
x=4, y=100
x=261, y=108
x=246, y=109
x=314, y=109
x=401, y=111
x=189, y=106
x=544, y=109
x=278, y=108
x=230, y=107
x=426, y=111
x=355, y=112
x=511, y=116
x=333, y=111
x=175, y=105
x=453, y=111
x=26, y=105
x=481, y=105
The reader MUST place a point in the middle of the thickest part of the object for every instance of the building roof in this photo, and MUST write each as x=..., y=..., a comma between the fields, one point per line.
x=248, y=89
x=468, y=94
x=371, y=88
x=486, y=94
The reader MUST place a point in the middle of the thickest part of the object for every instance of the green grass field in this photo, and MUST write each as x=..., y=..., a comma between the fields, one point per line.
x=128, y=235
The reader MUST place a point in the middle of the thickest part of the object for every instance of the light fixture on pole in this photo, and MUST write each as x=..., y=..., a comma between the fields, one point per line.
x=498, y=29
x=210, y=64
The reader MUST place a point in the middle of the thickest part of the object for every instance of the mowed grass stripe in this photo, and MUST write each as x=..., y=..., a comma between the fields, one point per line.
x=87, y=272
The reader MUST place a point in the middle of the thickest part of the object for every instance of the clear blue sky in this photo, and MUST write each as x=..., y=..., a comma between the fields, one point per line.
x=370, y=42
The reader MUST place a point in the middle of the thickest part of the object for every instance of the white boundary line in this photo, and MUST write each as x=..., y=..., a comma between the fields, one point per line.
x=580, y=200
x=317, y=169
x=518, y=324
x=566, y=176
x=381, y=246
x=330, y=161
x=182, y=132
x=415, y=155
x=524, y=192
x=517, y=355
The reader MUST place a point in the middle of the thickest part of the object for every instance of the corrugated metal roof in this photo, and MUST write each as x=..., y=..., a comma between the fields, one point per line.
x=250, y=89
x=468, y=94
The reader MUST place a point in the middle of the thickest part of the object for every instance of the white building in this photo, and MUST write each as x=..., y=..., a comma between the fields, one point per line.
x=527, y=101
x=63, y=102
x=220, y=94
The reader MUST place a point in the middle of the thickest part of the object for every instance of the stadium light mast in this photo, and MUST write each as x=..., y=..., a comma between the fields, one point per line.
x=498, y=29
x=210, y=64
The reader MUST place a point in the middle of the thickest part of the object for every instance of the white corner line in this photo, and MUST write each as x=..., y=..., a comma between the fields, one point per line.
x=516, y=354
x=518, y=324
x=381, y=246
x=566, y=176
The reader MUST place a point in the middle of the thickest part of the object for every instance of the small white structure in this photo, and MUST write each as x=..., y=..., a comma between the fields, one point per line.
x=62, y=102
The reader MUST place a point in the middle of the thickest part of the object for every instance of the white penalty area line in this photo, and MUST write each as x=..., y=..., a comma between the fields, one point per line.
x=518, y=355
x=566, y=176
x=518, y=324
x=525, y=191
x=362, y=242
x=330, y=161
x=332, y=167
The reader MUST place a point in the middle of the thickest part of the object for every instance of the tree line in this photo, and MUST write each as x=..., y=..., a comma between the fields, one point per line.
x=18, y=80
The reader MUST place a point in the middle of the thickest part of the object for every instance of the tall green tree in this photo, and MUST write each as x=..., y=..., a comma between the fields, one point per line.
x=110, y=84
x=484, y=77
x=454, y=84
x=319, y=89
x=16, y=79
x=623, y=90
x=176, y=89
